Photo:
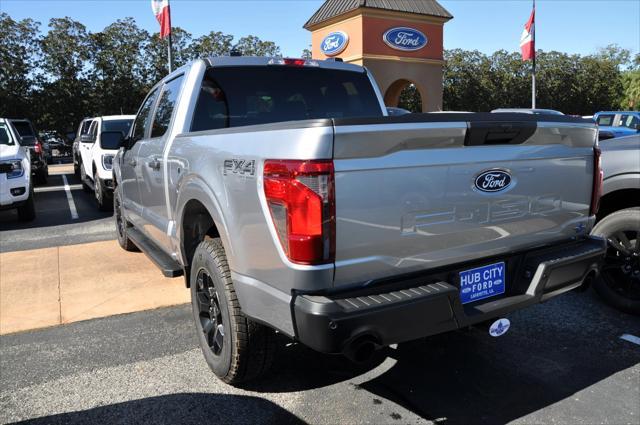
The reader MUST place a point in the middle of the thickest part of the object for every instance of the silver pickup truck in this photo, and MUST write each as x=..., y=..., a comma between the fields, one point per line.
x=291, y=202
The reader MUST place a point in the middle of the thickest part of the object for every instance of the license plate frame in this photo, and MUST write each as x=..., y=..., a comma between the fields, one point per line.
x=482, y=282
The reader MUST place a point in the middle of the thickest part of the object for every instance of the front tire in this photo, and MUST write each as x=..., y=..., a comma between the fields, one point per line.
x=619, y=280
x=103, y=197
x=236, y=348
x=122, y=224
x=27, y=212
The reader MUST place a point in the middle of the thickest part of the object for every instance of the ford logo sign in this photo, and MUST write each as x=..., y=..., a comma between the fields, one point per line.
x=493, y=181
x=334, y=43
x=404, y=38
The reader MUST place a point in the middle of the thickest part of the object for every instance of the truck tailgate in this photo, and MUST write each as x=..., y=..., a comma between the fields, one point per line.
x=412, y=193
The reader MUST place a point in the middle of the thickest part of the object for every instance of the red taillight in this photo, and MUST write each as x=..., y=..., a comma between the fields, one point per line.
x=301, y=200
x=294, y=62
x=37, y=147
x=598, y=176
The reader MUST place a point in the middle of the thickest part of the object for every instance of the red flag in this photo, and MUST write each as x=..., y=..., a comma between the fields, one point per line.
x=527, y=40
x=163, y=15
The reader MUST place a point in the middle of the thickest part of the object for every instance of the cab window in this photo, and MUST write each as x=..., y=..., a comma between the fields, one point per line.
x=165, y=107
x=144, y=115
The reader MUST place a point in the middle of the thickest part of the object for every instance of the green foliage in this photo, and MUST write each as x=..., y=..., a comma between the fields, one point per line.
x=631, y=86
x=410, y=99
x=59, y=78
x=253, y=46
x=572, y=84
x=19, y=50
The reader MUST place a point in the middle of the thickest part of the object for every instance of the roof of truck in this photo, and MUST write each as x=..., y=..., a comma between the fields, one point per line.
x=218, y=61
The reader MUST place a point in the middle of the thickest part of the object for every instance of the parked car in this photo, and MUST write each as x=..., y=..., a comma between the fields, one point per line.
x=619, y=223
x=83, y=129
x=290, y=201
x=620, y=123
x=528, y=111
x=96, y=156
x=16, y=188
x=29, y=138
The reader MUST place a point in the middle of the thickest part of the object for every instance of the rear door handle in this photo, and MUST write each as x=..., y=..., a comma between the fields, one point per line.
x=154, y=164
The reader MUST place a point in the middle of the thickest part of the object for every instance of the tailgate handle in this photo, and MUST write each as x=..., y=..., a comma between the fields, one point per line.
x=499, y=133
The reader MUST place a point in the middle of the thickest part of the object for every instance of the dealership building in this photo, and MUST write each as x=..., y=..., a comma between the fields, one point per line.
x=399, y=41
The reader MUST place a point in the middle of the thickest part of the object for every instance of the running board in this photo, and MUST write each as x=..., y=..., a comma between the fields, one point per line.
x=168, y=266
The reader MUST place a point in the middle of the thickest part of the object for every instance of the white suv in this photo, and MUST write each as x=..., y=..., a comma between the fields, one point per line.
x=16, y=186
x=94, y=162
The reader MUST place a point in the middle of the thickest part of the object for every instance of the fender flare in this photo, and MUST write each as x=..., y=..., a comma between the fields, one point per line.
x=196, y=189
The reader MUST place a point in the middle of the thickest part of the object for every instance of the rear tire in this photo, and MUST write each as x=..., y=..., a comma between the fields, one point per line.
x=104, y=198
x=236, y=348
x=83, y=178
x=619, y=280
x=122, y=224
x=41, y=176
x=27, y=212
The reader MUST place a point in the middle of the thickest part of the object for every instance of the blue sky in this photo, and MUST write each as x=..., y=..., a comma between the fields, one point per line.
x=571, y=26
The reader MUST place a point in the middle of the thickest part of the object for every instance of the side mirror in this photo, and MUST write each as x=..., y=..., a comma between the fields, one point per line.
x=111, y=140
x=86, y=138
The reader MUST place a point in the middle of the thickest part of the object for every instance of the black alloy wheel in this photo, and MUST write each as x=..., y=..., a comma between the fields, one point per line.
x=619, y=280
x=210, y=313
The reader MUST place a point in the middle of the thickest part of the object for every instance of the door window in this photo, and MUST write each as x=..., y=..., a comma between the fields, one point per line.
x=144, y=116
x=629, y=121
x=605, y=120
x=165, y=107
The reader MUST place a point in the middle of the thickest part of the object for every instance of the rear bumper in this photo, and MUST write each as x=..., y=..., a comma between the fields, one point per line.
x=419, y=306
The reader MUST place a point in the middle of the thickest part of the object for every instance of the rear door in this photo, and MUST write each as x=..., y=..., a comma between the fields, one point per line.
x=152, y=166
x=416, y=196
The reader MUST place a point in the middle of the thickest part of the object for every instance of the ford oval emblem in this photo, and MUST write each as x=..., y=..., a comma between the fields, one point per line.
x=404, y=38
x=334, y=43
x=493, y=181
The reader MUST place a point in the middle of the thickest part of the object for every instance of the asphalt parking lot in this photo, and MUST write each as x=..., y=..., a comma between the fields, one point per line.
x=65, y=215
x=561, y=362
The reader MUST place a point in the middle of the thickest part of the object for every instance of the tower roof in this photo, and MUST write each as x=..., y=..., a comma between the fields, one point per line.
x=333, y=8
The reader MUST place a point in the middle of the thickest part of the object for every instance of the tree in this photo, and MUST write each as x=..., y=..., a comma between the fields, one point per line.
x=119, y=69
x=631, y=86
x=253, y=46
x=306, y=54
x=19, y=48
x=215, y=43
x=63, y=96
x=156, y=53
x=410, y=99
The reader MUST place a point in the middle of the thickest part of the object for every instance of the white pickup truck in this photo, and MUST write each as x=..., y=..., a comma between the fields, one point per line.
x=290, y=201
x=93, y=163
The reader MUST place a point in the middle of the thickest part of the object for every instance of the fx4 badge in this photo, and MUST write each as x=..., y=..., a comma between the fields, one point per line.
x=241, y=167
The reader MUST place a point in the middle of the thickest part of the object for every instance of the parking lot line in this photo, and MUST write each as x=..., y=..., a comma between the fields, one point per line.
x=72, y=205
x=56, y=188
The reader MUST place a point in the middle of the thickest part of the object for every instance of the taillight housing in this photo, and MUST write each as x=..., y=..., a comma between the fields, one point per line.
x=37, y=147
x=301, y=200
x=598, y=176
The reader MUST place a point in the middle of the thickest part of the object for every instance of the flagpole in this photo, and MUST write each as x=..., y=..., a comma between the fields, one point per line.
x=170, y=56
x=533, y=73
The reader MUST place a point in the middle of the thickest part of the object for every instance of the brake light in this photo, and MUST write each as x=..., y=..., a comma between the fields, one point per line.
x=293, y=62
x=37, y=147
x=598, y=176
x=301, y=200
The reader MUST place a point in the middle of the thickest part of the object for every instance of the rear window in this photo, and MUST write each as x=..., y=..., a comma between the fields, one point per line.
x=240, y=96
x=605, y=120
x=26, y=132
x=122, y=126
